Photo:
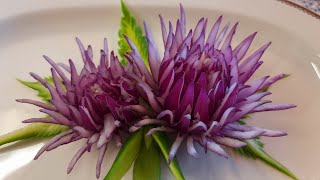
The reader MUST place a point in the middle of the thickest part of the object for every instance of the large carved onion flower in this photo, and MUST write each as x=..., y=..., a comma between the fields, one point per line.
x=92, y=102
x=199, y=90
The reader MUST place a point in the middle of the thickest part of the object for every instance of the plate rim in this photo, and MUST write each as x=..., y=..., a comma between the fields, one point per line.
x=300, y=8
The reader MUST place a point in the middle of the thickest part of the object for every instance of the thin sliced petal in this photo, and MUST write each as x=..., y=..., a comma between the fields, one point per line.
x=271, y=81
x=241, y=50
x=76, y=158
x=243, y=135
x=254, y=87
x=183, y=20
x=190, y=147
x=247, y=109
x=163, y=30
x=228, y=40
x=159, y=129
x=101, y=154
x=166, y=115
x=38, y=103
x=200, y=125
x=214, y=32
x=175, y=146
x=150, y=121
x=234, y=143
x=57, y=68
x=153, y=54
x=172, y=101
x=41, y=120
x=221, y=36
x=151, y=98
x=201, y=109
x=53, y=140
x=66, y=140
x=187, y=100
x=58, y=117
x=184, y=123
x=214, y=147
x=273, y=107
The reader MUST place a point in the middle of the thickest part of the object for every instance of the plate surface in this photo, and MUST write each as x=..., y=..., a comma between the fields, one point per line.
x=30, y=29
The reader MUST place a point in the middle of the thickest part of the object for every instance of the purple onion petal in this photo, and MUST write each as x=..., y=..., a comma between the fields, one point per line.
x=53, y=140
x=214, y=147
x=38, y=103
x=190, y=147
x=42, y=120
x=243, y=135
x=234, y=143
x=101, y=154
x=159, y=129
x=76, y=158
x=174, y=148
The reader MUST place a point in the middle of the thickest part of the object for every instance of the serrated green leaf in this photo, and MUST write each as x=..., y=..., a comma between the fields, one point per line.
x=164, y=145
x=32, y=131
x=129, y=27
x=148, y=164
x=126, y=156
x=36, y=129
x=43, y=92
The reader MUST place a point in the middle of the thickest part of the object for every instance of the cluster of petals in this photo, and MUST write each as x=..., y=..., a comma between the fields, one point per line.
x=200, y=88
x=94, y=103
x=197, y=91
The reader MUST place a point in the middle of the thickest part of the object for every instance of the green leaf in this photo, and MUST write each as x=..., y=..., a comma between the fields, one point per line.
x=246, y=151
x=43, y=92
x=129, y=27
x=242, y=120
x=257, y=152
x=148, y=140
x=31, y=131
x=126, y=156
x=148, y=164
x=164, y=145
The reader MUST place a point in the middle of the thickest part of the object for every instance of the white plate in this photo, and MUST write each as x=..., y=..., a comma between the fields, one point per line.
x=29, y=29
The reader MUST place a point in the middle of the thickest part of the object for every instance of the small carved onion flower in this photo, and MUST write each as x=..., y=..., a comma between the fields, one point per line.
x=199, y=90
x=91, y=102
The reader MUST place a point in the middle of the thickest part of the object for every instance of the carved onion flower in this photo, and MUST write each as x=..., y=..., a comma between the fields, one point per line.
x=200, y=88
x=91, y=102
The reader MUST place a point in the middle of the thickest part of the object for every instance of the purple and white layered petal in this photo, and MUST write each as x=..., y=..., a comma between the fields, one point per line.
x=273, y=107
x=175, y=146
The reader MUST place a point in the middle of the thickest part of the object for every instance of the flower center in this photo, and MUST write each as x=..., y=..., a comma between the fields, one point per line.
x=96, y=89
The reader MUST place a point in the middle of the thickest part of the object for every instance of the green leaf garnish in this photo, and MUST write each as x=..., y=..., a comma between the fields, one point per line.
x=43, y=92
x=148, y=140
x=246, y=151
x=148, y=164
x=129, y=27
x=31, y=131
x=126, y=156
x=35, y=130
x=164, y=145
x=254, y=150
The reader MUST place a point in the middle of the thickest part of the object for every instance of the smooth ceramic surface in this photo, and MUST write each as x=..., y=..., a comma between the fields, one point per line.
x=29, y=29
